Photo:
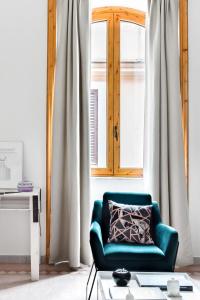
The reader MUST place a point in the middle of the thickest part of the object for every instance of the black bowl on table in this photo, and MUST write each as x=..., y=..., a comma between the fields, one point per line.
x=121, y=277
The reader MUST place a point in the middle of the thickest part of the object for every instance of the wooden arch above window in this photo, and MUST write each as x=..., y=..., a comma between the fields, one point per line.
x=51, y=59
x=135, y=15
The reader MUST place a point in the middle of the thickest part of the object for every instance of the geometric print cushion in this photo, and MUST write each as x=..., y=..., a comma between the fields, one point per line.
x=130, y=223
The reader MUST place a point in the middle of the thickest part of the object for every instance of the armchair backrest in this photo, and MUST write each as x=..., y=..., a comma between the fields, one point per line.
x=127, y=198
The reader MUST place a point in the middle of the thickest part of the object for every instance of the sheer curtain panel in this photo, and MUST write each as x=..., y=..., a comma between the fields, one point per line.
x=164, y=152
x=70, y=174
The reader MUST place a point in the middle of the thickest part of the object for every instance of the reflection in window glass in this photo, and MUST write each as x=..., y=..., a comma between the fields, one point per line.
x=98, y=95
x=132, y=89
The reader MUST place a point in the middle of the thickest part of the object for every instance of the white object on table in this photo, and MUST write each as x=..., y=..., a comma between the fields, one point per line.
x=173, y=288
x=34, y=210
x=129, y=296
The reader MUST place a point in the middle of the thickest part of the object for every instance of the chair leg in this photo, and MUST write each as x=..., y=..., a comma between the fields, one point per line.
x=90, y=273
x=89, y=279
x=92, y=284
x=93, y=281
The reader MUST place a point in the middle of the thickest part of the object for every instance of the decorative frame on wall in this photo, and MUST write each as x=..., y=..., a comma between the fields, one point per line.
x=11, y=164
x=51, y=60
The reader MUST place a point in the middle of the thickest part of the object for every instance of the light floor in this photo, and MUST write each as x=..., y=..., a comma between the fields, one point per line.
x=56, y=283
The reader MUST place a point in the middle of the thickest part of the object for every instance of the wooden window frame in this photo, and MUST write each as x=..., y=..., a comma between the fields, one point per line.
x=113, y=16
x=51, y=60
x=106, y=15
x=183, y=24
x=51, y=63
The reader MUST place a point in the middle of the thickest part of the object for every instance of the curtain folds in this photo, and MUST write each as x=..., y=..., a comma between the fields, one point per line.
x=164, y=152
x=70, y=174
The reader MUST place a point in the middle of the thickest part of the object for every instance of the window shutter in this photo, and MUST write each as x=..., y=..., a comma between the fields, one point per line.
x=94, y=126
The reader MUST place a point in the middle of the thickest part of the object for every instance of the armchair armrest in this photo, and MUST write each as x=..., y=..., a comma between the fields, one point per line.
x=166, y=238
x=95, y=233
x=97, y=211
x=96, y=243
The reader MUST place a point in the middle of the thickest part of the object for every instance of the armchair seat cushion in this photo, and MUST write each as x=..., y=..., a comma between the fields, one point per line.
x=124, y=251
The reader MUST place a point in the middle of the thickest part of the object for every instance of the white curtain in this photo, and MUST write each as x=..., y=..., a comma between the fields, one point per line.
x=164, y=152
x=70, y=176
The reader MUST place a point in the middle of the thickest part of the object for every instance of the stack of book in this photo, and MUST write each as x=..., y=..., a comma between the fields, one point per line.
x=155, y=280
x=25, y=186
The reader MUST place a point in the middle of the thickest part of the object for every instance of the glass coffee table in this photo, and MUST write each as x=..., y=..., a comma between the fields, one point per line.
x=105, y=282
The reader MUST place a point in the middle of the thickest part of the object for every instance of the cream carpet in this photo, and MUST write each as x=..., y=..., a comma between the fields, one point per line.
x=52, y=286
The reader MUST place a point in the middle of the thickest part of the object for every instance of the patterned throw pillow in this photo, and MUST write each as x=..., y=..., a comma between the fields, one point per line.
x=130, y=223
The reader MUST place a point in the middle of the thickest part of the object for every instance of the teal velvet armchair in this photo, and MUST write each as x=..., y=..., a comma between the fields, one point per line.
x=134, y=257
x=109, y=256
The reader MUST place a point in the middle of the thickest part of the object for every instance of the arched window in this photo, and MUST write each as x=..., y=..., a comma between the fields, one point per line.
x=117, y=91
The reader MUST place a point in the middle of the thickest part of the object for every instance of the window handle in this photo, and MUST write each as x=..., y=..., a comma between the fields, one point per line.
x=116, y=132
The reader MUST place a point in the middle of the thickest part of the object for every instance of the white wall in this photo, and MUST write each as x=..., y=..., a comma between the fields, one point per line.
x=100, y=185
x=23, y=35
x=137, y=4
x=194, y=123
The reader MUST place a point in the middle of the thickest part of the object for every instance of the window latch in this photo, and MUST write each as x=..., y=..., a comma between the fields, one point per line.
x=116, y=132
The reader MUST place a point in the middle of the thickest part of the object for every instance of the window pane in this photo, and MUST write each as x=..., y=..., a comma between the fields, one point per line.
x=137, y=4
x=98, y=99
x=132, y=47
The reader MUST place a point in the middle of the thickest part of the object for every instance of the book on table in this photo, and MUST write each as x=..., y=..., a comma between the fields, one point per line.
x=160, y=280
x=139, y=293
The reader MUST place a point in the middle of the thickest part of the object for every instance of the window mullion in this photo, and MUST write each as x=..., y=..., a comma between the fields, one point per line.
x=110, y=83
x=116, y=93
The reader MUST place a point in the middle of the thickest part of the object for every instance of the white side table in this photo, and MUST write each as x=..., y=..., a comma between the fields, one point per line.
x=34, y=208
